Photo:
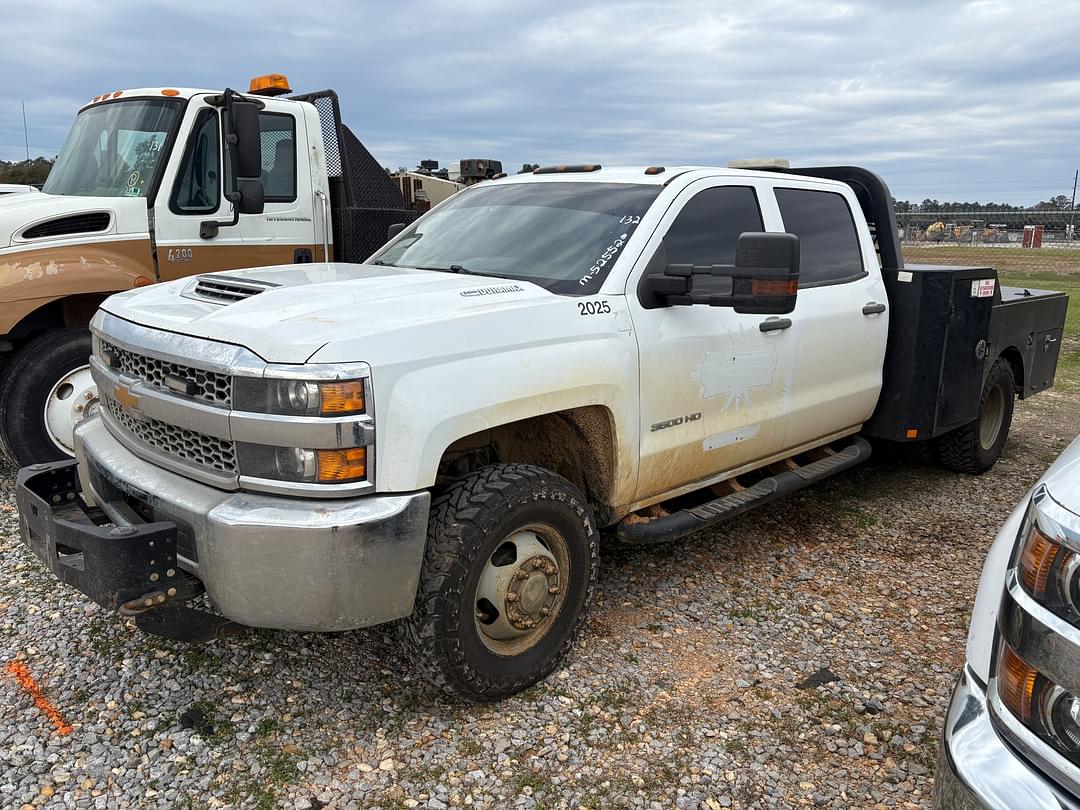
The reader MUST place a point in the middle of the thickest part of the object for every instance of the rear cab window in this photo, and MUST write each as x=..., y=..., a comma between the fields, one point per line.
x=829, y=249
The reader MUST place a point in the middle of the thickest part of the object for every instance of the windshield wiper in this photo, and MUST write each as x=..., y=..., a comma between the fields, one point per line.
x=458, y=268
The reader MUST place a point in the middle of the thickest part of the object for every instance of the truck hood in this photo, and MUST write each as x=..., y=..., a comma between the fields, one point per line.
x=21, y=211
x=316, y=305
x=1062, y=480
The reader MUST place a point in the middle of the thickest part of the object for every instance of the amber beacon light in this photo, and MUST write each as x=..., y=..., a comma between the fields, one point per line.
x=272, y=84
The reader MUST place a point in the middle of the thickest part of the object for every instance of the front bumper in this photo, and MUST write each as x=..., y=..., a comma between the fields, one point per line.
x=264, y=560
x=976, y=769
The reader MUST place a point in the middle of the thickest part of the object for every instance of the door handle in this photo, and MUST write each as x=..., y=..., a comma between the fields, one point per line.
x=873, y=308
x=774, y=324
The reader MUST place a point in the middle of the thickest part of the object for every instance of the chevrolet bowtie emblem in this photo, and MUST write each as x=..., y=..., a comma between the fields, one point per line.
x=123, y=395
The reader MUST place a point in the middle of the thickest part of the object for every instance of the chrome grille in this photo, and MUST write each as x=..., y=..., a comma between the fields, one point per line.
x=209, y=386
x=190, y=445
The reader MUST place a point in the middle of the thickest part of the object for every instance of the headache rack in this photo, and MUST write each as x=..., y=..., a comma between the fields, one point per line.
x=364, y=201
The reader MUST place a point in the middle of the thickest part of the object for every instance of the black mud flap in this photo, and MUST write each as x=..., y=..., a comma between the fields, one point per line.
x=125, y=568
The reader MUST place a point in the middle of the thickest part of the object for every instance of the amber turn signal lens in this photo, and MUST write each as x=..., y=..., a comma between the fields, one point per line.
x=1016, y=683
x=1036, y=559
x=769, y=286
x=342, y=397
x=342, y=465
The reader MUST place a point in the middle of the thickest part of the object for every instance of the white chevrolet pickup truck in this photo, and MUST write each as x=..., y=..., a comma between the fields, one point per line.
x=440, y=435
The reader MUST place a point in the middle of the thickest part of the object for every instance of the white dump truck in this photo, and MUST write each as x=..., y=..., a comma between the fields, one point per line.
x=440, y=435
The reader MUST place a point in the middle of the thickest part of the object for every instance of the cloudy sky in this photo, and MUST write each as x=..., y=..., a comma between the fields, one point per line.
x=949, y=100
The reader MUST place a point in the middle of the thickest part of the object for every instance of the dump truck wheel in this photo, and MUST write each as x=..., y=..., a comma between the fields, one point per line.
x=44, y=394
x=512, y=556
x=976, y=447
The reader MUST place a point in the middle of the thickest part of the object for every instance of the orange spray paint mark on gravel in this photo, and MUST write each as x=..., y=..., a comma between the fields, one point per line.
x=21, y=673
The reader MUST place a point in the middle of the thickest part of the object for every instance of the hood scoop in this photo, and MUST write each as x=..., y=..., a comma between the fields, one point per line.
x=225, y=289
x=94, y=222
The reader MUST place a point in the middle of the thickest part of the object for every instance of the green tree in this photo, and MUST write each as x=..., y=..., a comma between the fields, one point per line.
x=32, y=172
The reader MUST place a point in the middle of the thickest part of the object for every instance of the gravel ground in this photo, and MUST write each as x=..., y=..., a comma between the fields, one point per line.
x=802, y=655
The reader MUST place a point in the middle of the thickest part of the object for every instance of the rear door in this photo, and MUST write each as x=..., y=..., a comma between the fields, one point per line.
x=840, y=322
x=713, y=385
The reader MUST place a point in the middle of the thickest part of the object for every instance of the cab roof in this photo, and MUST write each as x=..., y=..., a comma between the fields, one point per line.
x=183, y=93
x=648, y=176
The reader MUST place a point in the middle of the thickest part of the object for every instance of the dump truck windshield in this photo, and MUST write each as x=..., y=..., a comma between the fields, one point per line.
x=563, y=236
x=114, y=149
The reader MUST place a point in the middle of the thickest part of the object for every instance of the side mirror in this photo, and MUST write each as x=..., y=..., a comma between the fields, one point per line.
x=766, y=277
x=394, y=230
x=763, y=281
x=245, y=139
x=252, y=197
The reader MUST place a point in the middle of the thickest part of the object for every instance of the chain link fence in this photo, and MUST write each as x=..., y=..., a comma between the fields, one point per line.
x=1014, y=241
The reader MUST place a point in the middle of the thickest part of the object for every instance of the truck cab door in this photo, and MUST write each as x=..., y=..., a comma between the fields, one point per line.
x=285, y=232
x=713, y=384
x=190, y=194
x=840, y=322
x=282, y=234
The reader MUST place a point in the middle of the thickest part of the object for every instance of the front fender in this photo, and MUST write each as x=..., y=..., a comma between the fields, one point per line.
x=30, y=279
x=423, y=411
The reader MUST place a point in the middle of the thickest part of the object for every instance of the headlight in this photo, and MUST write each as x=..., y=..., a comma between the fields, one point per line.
x=1048, y=569
x=1051, y=712
x=301, y=441
x=295, y=396
x=295, y=464
x=300, y=397
x=302, y=465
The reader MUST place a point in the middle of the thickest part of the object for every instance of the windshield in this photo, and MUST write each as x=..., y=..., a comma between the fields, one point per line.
x=114, y=149
x=563, y=236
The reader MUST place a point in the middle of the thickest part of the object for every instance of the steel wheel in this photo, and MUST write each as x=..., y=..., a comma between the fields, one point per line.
x=990, y=418
x=521, y=589
x=66, y=404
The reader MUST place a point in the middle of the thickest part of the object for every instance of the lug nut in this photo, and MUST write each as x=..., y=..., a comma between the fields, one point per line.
x=511, y=597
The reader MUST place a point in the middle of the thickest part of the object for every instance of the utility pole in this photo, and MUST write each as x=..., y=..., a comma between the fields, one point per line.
x=1072, y=207
x=26, y=137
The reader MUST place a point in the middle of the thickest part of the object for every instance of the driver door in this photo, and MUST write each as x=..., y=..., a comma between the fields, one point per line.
x=195, y=195
x=714, y=387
